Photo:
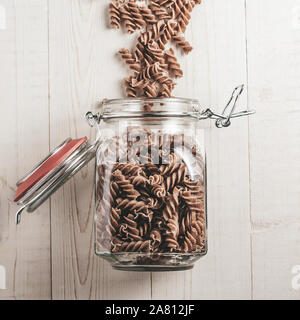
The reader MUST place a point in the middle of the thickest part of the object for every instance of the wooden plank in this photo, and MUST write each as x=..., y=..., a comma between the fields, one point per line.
x=24, y=250
x=83, y=68
x=194, y=84
x=216, y=66
x=274, y=64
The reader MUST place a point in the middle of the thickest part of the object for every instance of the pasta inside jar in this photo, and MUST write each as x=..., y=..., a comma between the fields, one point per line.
x=151, y=193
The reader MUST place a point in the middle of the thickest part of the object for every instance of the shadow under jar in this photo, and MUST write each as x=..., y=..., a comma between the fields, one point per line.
x=150, y=210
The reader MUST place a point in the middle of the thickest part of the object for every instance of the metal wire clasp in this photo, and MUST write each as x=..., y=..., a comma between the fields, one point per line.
x=92, y=119
x=223, y=120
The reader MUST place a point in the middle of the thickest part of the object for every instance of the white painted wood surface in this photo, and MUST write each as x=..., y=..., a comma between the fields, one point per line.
x=24, y=113
x=57, y=59
x=274, y=141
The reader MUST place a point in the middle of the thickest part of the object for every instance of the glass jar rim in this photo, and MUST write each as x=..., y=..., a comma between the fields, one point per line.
x=112, y=102
x=150, y=107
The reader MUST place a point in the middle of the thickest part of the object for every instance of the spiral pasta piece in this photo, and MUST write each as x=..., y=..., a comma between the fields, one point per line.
x=150, y=71
x=183, y=14
x=163, y=79
x=136, y=246
x=167, y=35
x=159, y=11
x=127, y=19
x=174, y=66
x=158, y=191
x=136, y=15
x=170, y=208
x=114, y=220
x=164, y=3
x=166, y=91
x=130, y=60
x=182, y=44
x=148, y=15
x=151, y=90
x=115, y=16
x=138, y=181
x=156, y=238
x=176, y=177
x=125, y=185
x=131, y=91
x=155, y=203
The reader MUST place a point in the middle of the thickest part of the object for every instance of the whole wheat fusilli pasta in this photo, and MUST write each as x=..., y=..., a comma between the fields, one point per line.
x=151, y=207
x=159, y=22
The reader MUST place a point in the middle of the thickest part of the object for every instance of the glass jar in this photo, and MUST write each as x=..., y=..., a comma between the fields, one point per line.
x=150, y=180
x=151, y=185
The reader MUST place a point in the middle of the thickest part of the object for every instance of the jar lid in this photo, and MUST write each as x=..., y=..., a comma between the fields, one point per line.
x=51, y=173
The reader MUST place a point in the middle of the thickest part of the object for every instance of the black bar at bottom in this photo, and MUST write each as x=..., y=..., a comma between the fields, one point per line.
x=155, y=309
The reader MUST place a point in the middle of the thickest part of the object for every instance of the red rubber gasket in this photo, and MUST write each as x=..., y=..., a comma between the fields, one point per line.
x=48, y=166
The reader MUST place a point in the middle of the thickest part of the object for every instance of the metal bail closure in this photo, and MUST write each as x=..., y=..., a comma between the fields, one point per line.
x=92, y=119
x=224, y=120
x=52, y=172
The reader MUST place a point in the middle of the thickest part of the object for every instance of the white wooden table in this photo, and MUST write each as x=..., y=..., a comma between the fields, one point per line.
x=57, y=59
